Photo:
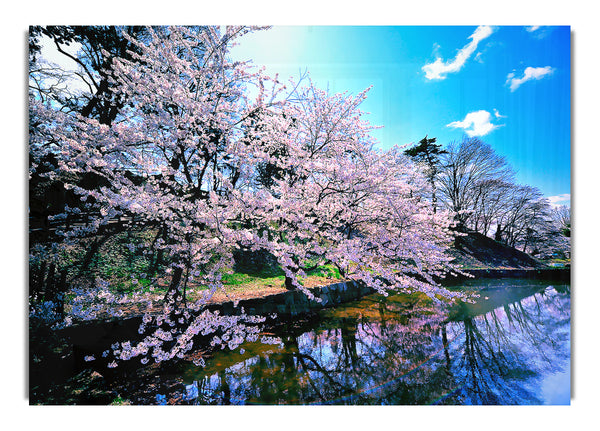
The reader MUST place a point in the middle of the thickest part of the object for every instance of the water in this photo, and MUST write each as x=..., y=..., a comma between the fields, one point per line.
x=510, y=347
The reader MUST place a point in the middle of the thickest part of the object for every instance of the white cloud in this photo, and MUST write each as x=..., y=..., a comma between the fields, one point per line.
x=538, y=31
x=558, y=200
x=477, y=123
x=439, y=69
x=498, y=115
x=529, y=74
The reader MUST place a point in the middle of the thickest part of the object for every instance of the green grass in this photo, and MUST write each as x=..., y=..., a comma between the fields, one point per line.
x=118, y=401
x=329, y=271
x=241, y=277
x=275, y=276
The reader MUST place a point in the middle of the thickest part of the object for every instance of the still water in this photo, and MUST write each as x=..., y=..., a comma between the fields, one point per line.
x=510, y=347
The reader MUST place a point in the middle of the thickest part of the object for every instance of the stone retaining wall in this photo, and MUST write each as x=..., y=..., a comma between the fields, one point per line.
x=296, y=302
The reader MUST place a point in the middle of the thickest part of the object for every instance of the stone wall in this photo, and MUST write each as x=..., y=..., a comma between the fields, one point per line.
x=296, y=302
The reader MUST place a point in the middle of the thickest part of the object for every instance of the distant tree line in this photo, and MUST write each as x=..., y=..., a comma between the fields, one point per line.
x=477, y=185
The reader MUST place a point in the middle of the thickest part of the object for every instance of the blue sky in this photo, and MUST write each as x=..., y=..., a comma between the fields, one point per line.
x=508, y=85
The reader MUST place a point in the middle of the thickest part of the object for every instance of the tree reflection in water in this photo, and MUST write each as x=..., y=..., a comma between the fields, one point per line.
x=506, y=353
x=399, y=350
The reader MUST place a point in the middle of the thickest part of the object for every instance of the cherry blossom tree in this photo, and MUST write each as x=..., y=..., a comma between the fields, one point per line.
x=186, y=158
x=352, y=205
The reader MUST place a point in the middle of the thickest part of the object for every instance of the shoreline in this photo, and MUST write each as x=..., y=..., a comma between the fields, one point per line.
x=288, y=304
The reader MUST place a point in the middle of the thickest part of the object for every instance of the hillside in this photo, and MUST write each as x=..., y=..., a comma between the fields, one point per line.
x=478, y=251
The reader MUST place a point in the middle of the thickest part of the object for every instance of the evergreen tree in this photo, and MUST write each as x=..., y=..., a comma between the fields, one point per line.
x=427, y=153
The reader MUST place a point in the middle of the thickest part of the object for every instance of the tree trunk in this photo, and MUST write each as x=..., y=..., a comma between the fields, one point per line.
x=288, y=283
x=173, y=294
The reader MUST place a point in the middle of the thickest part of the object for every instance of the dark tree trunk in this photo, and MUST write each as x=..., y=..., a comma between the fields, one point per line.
x=288, y=283
x=173, y=295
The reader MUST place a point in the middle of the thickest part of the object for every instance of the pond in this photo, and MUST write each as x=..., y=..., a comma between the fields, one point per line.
x=511, y=347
